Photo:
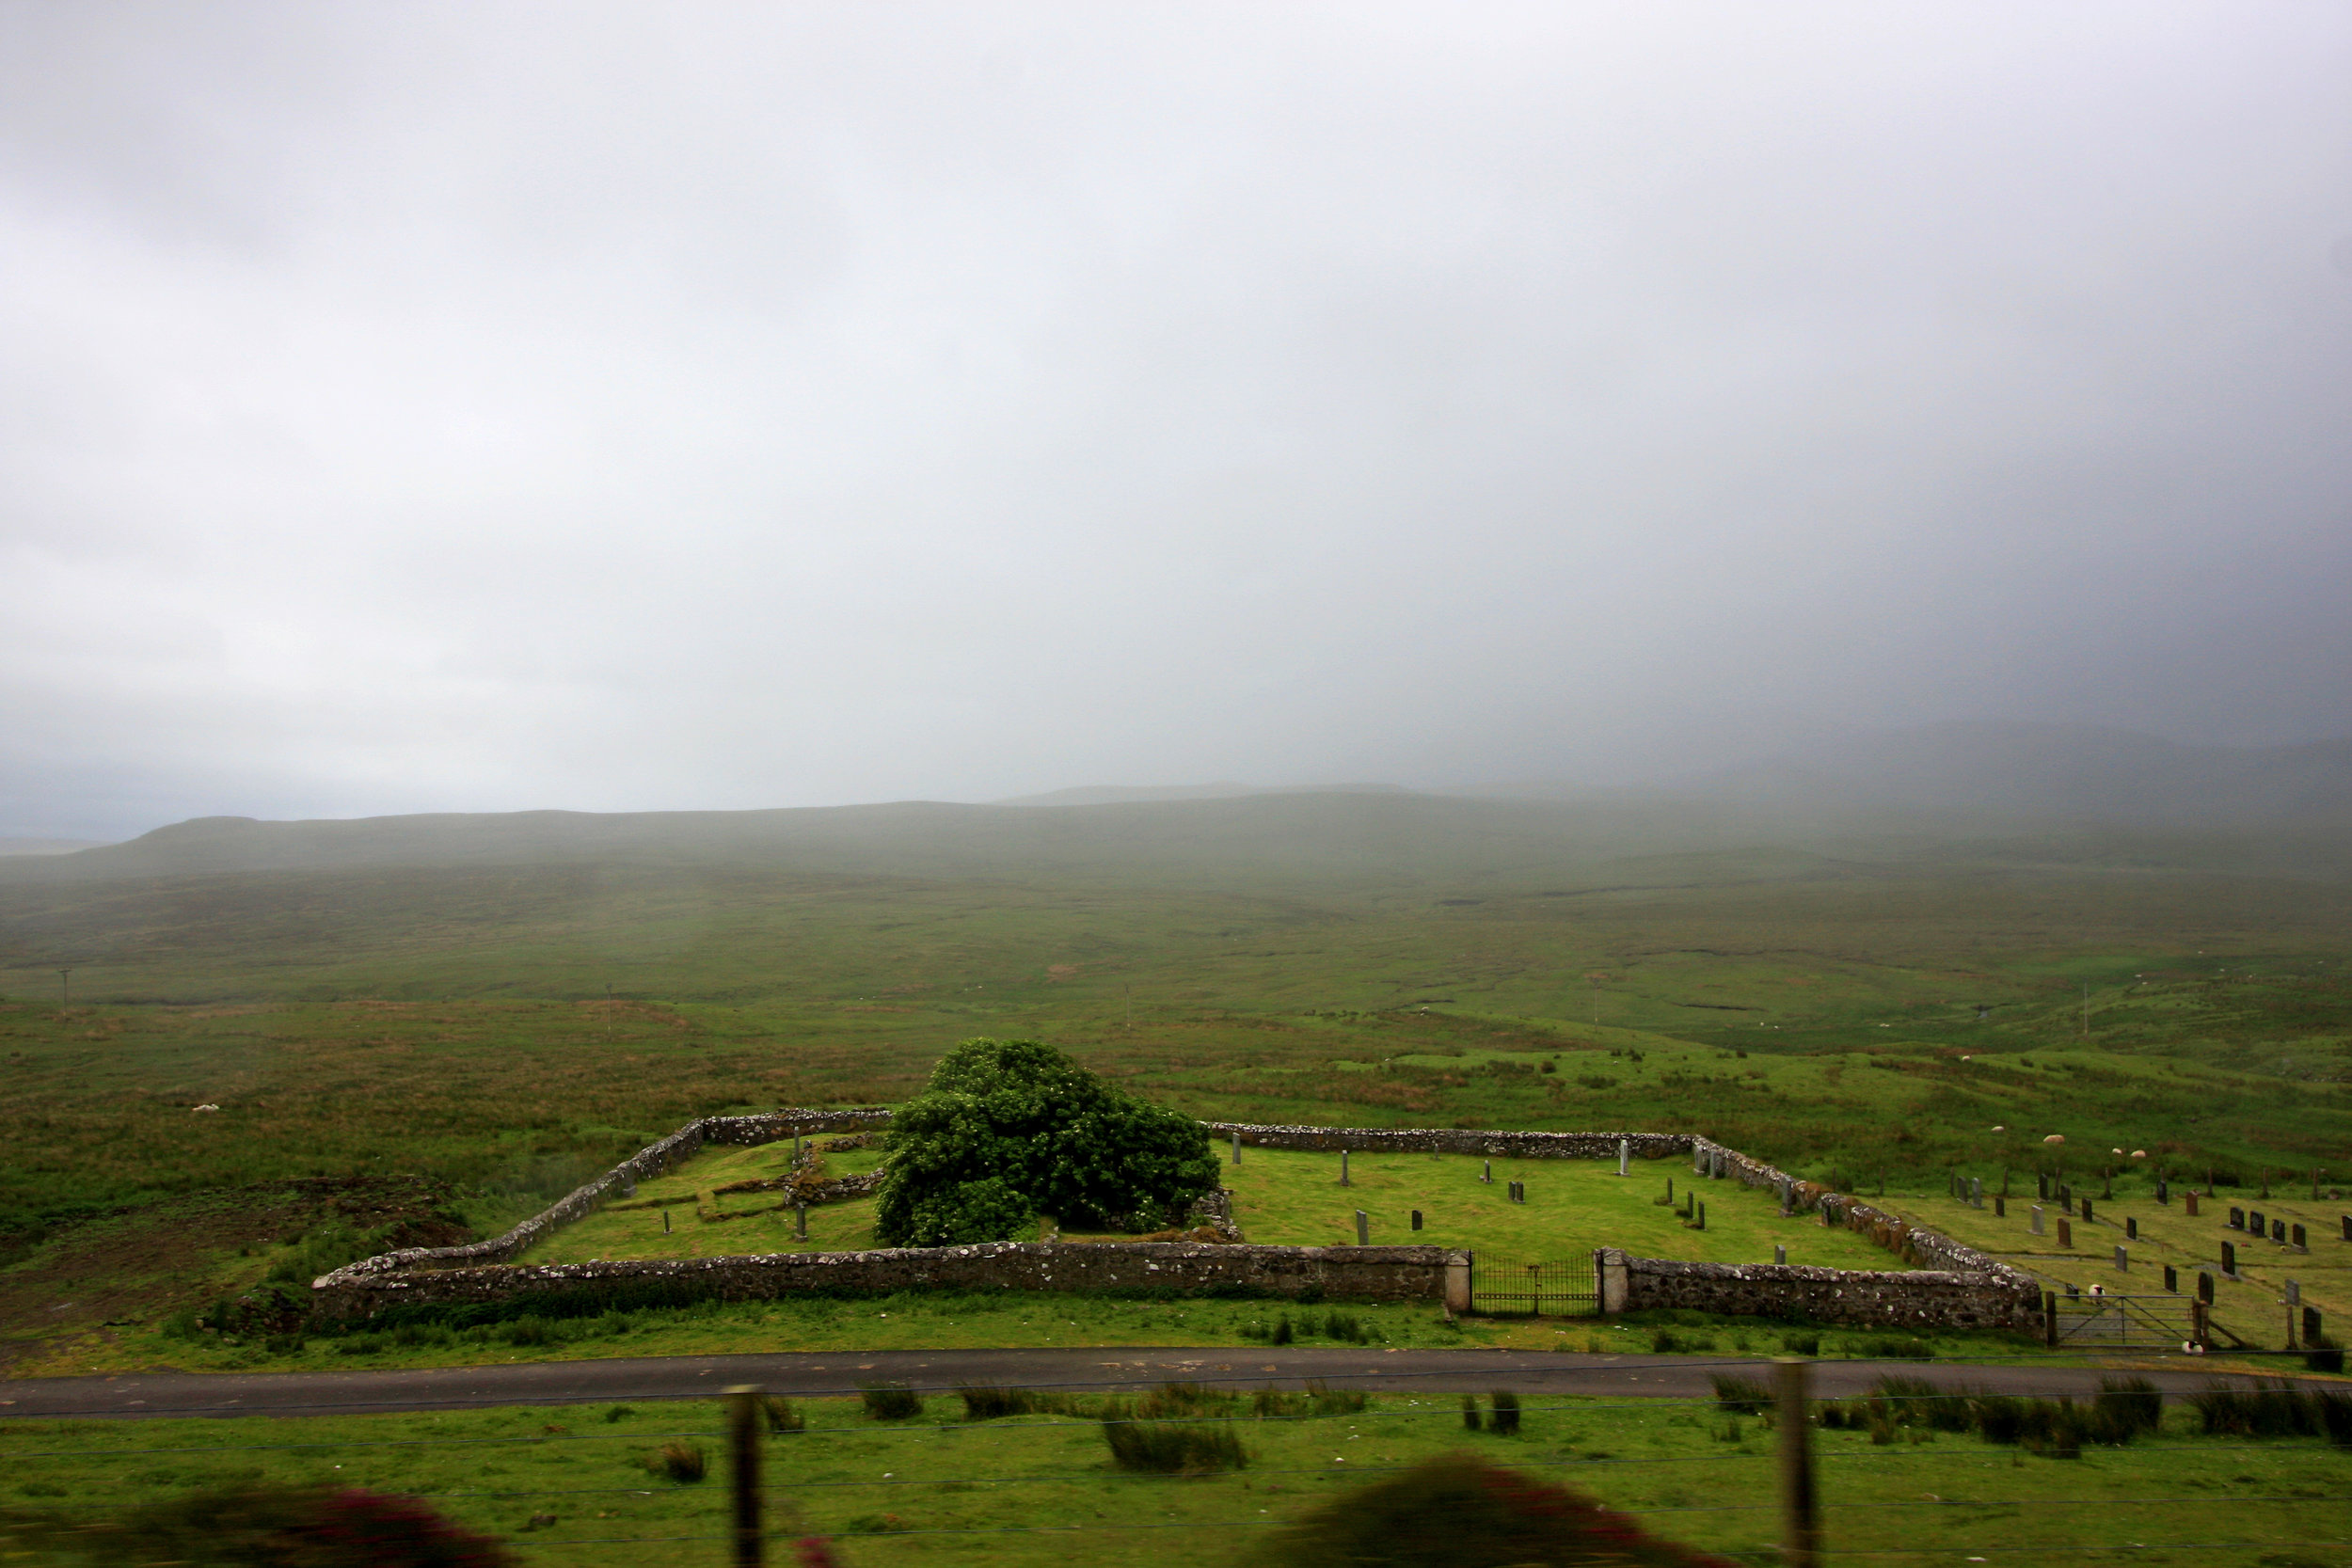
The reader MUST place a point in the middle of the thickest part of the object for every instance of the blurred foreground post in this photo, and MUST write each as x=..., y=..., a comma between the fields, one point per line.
x=743, y=1417
x=1800, y=1516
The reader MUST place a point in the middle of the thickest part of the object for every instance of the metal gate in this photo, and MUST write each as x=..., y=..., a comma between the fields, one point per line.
x=1568, y=1289
x=2160, y=1320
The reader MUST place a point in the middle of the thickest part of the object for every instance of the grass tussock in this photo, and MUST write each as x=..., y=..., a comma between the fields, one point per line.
x=1180, y=1447
x=891, y=1401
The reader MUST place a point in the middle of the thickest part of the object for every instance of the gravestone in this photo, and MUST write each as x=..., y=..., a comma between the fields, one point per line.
x=2042, y=1185
x=2278, y=1231
x=2066, y=1194
x=1976, y=1191
x=1417, y=1219
x=2000, y=1206
x=1780, y=1255
x=2122, y=1262
x=2188, y=1204
x=2296, y=1240
x=2254, y=1223
x=1700, y=1221
x=1363, y=1228
x=1488, y=1176
x=2237, y=1219
x=1698, y=1161
x=2294, y=1292
x=2164, y=1193
x=1237, y=1145
x=1343, y=1182
x=2172, y=1279
x=2131, y=1229
x=2312, y=1335
x=2036, y=1219
x=1625, y=1156
x=2229, y=1258
x=2204, y=1286
x=2085, y=1210
x=2066, y=1232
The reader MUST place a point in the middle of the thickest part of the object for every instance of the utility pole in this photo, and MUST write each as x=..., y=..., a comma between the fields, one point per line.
x=1129, y=991
x=65, y=989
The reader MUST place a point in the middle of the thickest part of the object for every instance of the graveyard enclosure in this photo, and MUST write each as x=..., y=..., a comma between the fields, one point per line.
x=710, y=1212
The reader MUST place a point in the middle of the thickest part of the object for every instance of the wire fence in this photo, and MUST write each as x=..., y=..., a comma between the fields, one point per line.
x=683, y=1514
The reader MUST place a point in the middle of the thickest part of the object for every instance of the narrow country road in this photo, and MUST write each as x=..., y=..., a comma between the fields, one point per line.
x=817, y=1373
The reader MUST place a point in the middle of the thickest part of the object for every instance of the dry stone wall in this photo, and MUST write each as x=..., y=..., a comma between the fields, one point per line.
x=1956, y=1287
x=1350, y=1274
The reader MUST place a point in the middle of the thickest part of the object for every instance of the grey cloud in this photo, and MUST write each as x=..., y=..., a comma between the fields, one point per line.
x=604, y=406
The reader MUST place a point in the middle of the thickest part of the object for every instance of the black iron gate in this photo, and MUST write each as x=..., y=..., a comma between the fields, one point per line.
x=1568, y=1289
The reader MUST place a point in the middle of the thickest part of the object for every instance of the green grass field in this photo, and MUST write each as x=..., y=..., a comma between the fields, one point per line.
x=1811, y=1006
x=1283, y=1198
x=1039, y=1489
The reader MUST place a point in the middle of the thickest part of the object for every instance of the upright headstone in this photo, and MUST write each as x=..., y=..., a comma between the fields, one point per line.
x=2131, y=1228
x=2278, y=1231
x=2122, y=1262
x=1780, y=1255
x=1417, y=1219
x=2085, y=1210
x=1698, y=1160
x=2164, y=1193
x=2294, y=1292
x=2296, y=1240
x=2036, y=1219
x=1625, y=1156
x=1363, y=1228
x=2042, y=1185
x=1237, y=1145
x=2172, y=1280
x=800, y=1221
x=1343, y=1182
x=2000, y=1206
x=2312, y=1335
x=2237, y=1219
x=2255, y=1223
x=1976, y=1191
x=1488, y=1176
x=2229, y=1258
x=2347, y=1227
x=2188, y=1204
x=2204, y=1286
x=1701, y=1219
x=2066, y=1232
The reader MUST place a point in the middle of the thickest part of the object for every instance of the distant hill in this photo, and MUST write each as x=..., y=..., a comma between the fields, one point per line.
x=1116, y=794
x=48, y=846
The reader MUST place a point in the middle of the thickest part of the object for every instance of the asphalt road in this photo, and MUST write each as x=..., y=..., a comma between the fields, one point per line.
x=817, y=1373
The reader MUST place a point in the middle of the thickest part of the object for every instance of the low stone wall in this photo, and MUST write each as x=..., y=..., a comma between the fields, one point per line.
x=652, y=1160
x=1958, y=1287
x=1494, y=1143
x=1865, y=1298
x=1341, y=1273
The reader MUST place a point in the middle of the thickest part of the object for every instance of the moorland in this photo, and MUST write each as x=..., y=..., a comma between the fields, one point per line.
x=422, y=1028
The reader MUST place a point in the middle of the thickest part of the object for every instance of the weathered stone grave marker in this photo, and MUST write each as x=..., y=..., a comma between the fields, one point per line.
x=1780, y=1255
x=2066, y=1232
x=2204, y=1286
x=2172, y=1279
x=2131, y=1228
x=1417, y=1219
x=1363, y=1228
x=2037, y=1213
x=2188, y=1204
x=1343, y=1182
x=2296, y=1240
x=1625, y=1156
x=2237, y=1219
x=2229, y=1258
x=2122, y=1262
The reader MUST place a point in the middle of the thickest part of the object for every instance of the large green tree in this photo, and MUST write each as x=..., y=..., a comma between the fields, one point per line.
x=1009, y=1130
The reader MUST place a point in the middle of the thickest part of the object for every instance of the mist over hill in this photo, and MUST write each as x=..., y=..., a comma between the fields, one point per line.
x=2002, y=790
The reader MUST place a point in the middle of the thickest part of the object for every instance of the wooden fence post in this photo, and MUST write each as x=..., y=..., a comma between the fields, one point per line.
x=743, y=1421
x=1801, y=1525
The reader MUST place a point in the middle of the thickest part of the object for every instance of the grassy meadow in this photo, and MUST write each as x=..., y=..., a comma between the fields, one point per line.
x=574, y=1485
x=436, y=1047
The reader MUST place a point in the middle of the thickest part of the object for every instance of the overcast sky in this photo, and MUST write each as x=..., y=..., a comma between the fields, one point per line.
x=479, y=406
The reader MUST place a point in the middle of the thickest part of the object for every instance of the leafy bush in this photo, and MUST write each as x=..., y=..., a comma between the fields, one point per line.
x=1460, y=1512
x=891, y=1401
x=282, y=1526
x=1007, y=1130
x=781, y=1415
x=1184, y=1448
x=1471, y=1419
x=1505, y=1421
